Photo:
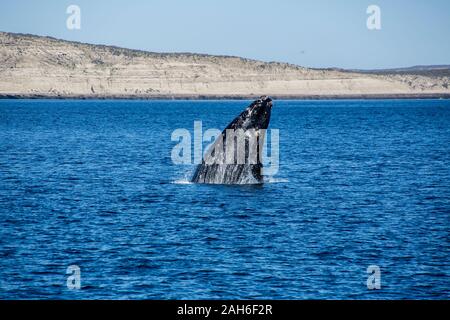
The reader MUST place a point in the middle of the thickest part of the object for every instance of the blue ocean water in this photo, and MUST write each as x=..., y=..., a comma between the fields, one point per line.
x=92, y=184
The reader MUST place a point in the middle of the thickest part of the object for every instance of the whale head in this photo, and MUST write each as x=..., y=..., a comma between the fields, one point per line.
x=255, y=116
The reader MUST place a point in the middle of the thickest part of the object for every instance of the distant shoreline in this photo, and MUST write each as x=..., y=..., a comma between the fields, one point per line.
x=35, y=67
x=228, y=97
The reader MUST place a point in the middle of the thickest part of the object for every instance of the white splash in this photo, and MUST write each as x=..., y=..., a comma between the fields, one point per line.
x=267, y=179
x=275, y=180
x=182, y=181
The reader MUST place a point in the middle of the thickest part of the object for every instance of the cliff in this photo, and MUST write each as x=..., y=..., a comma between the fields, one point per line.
x=34, y=66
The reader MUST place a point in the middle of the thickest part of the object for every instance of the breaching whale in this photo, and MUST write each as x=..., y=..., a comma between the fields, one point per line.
x=236, y=155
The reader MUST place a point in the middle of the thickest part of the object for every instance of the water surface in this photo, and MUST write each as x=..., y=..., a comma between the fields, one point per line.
x=91, y=183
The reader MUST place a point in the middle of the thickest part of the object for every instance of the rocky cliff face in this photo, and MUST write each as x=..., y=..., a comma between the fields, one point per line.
x=41, y=66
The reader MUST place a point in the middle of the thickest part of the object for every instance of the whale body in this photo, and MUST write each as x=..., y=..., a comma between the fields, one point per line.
x=236, y=155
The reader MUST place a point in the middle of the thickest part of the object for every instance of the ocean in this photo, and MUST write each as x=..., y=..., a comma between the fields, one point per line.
x=90, y=185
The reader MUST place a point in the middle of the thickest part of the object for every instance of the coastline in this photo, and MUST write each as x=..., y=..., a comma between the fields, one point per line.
x=36, y=67
x=426, y=96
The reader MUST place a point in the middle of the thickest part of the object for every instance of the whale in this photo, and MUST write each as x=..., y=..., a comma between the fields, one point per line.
x=235, y=157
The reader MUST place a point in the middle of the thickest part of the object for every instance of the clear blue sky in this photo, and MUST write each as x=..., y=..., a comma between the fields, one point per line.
x=314, y=33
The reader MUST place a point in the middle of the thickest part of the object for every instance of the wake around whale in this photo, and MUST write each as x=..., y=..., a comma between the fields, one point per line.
x=236, y=155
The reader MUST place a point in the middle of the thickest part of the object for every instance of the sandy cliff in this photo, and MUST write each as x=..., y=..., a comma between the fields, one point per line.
x=41, y=66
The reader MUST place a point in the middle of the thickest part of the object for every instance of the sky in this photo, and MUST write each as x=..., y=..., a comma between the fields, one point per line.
x=314, y=33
